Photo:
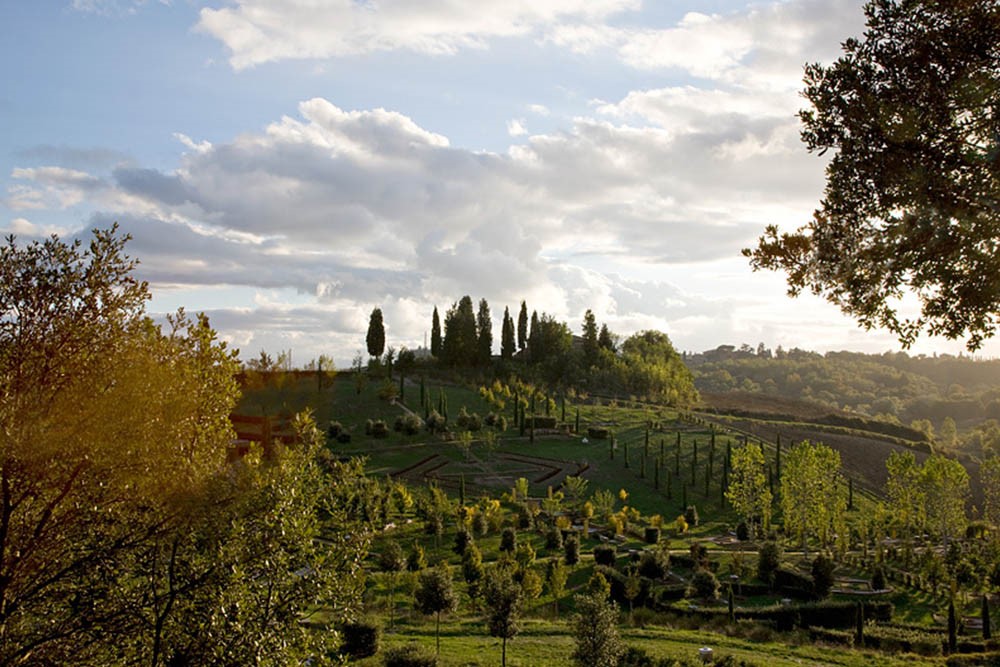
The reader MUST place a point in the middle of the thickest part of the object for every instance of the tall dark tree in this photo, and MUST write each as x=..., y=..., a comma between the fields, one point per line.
x=590, y=343
x=507, y=341
x=376, y=334
x=606, y=339
x=534, y=345
x=436, y=334
x=910, y=117
x=522, y=326
x=460, y=346
x=484, y=333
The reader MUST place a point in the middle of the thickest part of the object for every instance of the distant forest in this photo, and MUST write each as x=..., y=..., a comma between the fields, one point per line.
x=955, y=400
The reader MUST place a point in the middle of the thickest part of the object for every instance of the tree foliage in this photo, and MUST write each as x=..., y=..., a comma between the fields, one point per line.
x=595, y=629
x=913, y=188
x=508, y=345
x=124, y=536
x=436, y=341
x=460, y=346
x=748, y=491
x=375, y=339
x=811, y=502
x=484, y=334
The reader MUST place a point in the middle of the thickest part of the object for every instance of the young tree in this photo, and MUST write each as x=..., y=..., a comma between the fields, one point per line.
x=947, y=486
x=909, y=117
x=436, y=334
x=989, y=473
x=810, y=499
x=484, y=333
x=522, y=326
x=503, y=599
x=556, y=576
x=392, y=561
x=748, y=490
x=507, y=342
x=595, y=629
x=434, y=595
x=376, y=334
x=907, y=495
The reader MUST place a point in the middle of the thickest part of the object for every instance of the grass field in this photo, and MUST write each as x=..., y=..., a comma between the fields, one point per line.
x=690, y=473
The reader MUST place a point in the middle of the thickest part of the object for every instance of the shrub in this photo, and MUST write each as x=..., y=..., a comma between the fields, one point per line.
x=540, y=422
x=344, y=438
x=388, y=391
x=878, y=579
x=435, y=422
x=768, y=560
x=409, y=655
x=571, y=550
x=525, y=517
x=704, y=585
x=379, y=429
x=462, y=541
x=508, y=540
x=369, y=425
x=822, y=576
x=335, y=429
x=604, y=554
x=468, y=422
x=360, y=639
x=699, y=555
x=598, y=433
x=691, y=515
x=553, y=539
x=416, y=560
x=651, y=535
x=501, y=423
x=742, y=531
x=653, y=563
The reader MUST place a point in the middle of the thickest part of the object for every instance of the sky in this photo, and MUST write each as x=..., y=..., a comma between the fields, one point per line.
x=286, y=166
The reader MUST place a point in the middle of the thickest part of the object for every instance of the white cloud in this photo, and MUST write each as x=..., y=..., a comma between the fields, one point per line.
x=259, y=31
x=539, y=109
x=515, y=127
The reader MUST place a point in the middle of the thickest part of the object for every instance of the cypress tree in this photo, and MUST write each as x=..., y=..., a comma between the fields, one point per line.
x=576, y=426
x=436, y=334
x=656, y=474
x=625, y=444
x=670, y=487
x=859, y=628
x=563, y=417
x=952, y=627
x=461, y=490
x=522, y=326
x=423, y=392
x=677, y=455
x=985, y=615
x=708, y=477
x=732, y=612
x=661, y=449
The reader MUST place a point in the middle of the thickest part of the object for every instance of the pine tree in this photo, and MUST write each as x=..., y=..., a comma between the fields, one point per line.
x=590, y=344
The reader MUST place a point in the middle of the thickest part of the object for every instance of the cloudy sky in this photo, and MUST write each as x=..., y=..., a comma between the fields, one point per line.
x=287, y=165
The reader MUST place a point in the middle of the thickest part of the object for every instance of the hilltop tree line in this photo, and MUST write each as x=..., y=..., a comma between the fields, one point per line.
x=954, y=400
x=540, y=347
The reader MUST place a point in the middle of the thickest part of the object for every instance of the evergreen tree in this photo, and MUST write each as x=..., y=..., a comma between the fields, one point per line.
x=522, y=326
x=484, y=333
x=460, y=346
x=590, y=343
x=376, y=334
x=606, y=339
x=436, y=344
x=534, y=344
x=507, y=338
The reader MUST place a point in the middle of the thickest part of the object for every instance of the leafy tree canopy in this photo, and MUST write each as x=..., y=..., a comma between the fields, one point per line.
x=912, y=203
